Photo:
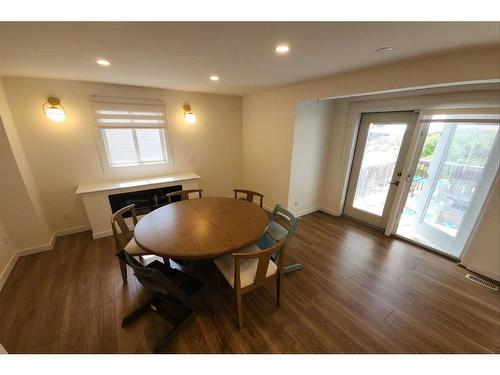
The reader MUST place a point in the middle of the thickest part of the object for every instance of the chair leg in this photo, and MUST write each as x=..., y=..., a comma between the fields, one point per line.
x=239, y=309
x=138, y=311
x=292, y=267
x=123, y=270
x=167, y=339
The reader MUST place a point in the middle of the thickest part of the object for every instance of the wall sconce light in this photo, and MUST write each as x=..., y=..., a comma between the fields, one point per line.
x=54, y=110
x=189, y=116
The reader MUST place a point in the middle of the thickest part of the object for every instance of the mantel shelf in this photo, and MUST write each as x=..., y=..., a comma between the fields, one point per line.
x=127, y=184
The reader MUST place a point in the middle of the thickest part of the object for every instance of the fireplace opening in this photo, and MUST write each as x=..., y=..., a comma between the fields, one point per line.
x=145, y=200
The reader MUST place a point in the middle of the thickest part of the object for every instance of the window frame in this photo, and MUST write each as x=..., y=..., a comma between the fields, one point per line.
x=102, y=141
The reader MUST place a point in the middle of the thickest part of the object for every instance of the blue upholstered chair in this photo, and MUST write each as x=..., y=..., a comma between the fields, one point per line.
x=282, y=226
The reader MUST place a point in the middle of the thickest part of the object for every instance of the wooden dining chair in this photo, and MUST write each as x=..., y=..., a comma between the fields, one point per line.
x=124, y=237
x=248, y=195
x=184, y=194
x=170, y=291
x=251, y=268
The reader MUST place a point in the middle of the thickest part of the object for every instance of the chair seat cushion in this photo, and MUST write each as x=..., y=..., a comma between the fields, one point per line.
x=133, y=249
x=248, y=267
x=277, y=231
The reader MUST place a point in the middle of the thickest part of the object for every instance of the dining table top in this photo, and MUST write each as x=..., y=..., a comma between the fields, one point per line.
x=201, y=228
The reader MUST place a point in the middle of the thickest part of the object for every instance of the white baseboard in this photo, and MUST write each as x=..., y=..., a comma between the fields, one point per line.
x=301, y=213
x=267, y=208
x=483, y=271
x=102, y=234
x=8, y=269
x=65, y=232
x=329, y=211
x=306, y=212
x=36, y=249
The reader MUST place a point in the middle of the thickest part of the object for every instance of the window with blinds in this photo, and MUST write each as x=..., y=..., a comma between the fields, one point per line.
x=133, y=131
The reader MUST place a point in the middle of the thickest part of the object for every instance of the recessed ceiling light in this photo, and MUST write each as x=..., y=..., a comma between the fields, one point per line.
x=384, y=49
x=282, y=49
x=214, y=78
x=103, y=62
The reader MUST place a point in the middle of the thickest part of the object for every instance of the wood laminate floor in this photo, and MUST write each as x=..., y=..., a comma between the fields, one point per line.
x=360, y=292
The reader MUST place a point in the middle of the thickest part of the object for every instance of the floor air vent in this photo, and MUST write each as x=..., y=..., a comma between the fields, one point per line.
x=482, y=282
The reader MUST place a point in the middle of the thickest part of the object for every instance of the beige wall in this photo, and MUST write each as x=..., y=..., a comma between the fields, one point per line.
x=6, y=251
x=334, y=174
x=483, y=254
x=16, y=209
x=64, y=155
x=267, y=145
x=309, y=154
x=20, y=199
x=269, y=117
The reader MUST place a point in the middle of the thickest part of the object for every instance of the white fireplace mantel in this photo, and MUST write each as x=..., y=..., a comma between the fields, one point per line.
x=96, y=201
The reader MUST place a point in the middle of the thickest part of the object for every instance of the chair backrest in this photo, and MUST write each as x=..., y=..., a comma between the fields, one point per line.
x=264, y=257
x=118, y=221
x=286, y=219
x=151, y=278
x=248, y=195
x=184, y=194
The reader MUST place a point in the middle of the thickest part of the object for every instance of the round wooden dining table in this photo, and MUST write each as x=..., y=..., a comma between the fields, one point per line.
x=201, y=228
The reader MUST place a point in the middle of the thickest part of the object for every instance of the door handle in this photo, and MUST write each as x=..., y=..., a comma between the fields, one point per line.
x=395, y=183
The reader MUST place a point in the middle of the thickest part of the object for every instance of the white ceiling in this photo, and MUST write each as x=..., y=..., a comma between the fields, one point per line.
x=183, y=55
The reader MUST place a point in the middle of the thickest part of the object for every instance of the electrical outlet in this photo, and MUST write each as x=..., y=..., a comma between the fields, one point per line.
x=296, y=203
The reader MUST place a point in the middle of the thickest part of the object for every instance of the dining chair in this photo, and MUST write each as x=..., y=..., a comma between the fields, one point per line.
x=248, y=195
x=282, y=225
x=251, y=268
x=125, y=241
x=171, y=298
x=184, y=194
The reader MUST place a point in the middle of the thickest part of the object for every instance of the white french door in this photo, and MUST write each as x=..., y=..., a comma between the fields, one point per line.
x=457, y=166
x=444, y=188
x=381, y=148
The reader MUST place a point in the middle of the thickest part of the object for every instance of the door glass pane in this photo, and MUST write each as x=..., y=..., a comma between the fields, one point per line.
x=449, y=173
x=377, y=166
x=419, y=184
x=459, y=176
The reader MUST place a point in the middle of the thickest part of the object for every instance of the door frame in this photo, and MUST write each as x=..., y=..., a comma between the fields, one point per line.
x=381, y=221
x=353, y=121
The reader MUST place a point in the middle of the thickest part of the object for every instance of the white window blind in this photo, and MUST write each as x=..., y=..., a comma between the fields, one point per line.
x=133, y=131
x=460, y=115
